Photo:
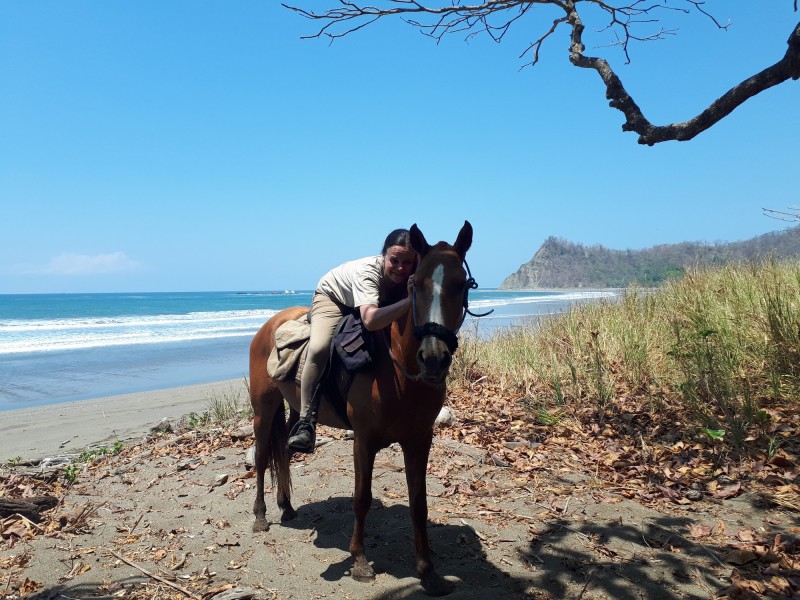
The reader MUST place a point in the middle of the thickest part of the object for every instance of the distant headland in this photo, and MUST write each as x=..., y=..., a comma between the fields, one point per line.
x=559, y=263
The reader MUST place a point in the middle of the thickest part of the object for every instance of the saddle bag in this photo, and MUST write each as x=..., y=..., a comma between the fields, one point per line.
x=352, y=343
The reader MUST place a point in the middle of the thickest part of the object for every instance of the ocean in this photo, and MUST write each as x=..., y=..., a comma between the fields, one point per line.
x=65, y=347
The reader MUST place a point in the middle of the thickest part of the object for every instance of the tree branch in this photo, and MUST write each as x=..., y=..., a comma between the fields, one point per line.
x=495, y=17
x=786, y=68
x=792, y=214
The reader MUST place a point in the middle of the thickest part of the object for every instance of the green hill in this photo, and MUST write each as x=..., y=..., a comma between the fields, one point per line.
x=559, y=263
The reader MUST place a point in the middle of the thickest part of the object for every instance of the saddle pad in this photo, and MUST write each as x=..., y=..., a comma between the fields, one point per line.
x=291, y=345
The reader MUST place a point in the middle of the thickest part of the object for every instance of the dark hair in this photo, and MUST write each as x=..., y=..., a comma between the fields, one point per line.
x=399, y=237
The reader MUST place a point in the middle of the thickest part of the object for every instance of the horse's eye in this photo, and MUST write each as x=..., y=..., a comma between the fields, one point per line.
x=457, y=287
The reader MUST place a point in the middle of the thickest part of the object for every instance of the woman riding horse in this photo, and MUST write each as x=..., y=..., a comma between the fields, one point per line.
x=397, y=400
x=374, y=286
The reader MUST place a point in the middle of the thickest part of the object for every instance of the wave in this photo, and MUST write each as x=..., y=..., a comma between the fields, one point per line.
x=19, y=336
x=561, y=298
x=80, y=323
x=26, y=336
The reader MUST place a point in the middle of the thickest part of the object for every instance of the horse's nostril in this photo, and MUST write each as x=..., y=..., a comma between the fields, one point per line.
x=448, y=358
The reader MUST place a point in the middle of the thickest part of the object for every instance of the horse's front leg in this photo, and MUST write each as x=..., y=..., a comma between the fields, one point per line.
x=415, y=454
x=363, y=460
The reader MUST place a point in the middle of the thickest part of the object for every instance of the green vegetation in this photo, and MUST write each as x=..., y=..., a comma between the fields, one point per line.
x=71, y=471
x=195, y=421
x=715, y=351
x=89, y=455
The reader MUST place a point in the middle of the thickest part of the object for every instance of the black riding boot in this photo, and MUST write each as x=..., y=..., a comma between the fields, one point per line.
x=303, y=436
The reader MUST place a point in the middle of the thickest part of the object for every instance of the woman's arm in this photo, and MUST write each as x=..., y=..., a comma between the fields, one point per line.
x=375, y=317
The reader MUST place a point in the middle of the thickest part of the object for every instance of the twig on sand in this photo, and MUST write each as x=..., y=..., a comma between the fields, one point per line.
x=135, y=525
x=687, y=540
x=154, y=576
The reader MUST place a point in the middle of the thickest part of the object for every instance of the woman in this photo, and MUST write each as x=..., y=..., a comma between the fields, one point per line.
x=379, y=288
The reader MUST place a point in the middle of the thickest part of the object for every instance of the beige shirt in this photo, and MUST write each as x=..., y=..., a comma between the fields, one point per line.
x=354, y=283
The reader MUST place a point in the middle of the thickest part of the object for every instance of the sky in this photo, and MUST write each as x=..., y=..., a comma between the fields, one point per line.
x=198, y=145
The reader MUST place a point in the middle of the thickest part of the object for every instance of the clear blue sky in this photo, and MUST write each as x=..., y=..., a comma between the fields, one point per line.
x=195, y=145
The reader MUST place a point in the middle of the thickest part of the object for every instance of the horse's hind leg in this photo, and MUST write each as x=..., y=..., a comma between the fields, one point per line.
x=261, y=427
x=269, y=427
x=284, y=482
x=415, y=455
x=364, y=461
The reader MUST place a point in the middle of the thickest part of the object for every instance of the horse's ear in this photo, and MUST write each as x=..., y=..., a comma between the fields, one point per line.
x=464, y=240
x=418, y=241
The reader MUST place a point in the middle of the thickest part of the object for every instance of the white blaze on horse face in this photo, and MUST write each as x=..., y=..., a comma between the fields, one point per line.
x=437, y=314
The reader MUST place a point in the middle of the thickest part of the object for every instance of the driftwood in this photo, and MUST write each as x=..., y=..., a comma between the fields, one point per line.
x=30, y=508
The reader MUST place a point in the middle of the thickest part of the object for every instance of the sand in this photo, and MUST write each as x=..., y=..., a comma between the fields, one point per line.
x=176, y=510
x=44, y=431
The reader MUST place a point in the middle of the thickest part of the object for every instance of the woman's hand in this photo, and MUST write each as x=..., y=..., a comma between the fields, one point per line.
x=375, y=318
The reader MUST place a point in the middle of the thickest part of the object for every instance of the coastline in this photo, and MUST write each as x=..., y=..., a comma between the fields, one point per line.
x=71, y=427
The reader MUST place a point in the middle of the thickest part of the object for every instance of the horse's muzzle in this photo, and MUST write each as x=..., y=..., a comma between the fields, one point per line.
x=434, y=359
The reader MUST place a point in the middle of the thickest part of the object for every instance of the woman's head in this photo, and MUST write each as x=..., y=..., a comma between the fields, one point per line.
x=399, y=237
x=399, y=258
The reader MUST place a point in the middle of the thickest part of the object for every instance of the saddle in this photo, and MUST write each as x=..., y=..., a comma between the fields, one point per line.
x=350, y=352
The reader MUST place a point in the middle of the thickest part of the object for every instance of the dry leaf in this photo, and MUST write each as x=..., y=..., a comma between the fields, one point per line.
x=729, y=491
x=700, y=531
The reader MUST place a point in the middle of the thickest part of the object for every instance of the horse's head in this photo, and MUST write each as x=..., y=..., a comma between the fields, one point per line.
x=439, y=300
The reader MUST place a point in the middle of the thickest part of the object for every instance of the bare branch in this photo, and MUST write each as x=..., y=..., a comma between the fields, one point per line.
x=536, y=46
x=699, y=7
x=495, y=18
x=791, y=215
x=786, y=68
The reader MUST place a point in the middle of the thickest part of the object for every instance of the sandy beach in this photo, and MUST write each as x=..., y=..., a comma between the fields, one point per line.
x=175, y=511
x=58, y=429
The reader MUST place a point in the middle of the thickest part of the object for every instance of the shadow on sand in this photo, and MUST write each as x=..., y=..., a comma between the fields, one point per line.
x=623, y=561
x=458, y=552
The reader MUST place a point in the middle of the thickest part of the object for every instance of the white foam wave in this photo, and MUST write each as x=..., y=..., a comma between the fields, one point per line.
x=561, y=298
x=23, y=336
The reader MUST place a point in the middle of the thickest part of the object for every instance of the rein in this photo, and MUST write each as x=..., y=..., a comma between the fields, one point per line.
x=448, y=336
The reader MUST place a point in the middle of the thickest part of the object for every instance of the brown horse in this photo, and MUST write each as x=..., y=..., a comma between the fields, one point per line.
x=397, y=400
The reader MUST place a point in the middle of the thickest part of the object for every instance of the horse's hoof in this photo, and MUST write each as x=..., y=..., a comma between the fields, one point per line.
x=363, y=571
x=436, y=585
x=260, y=525
x=288, y=514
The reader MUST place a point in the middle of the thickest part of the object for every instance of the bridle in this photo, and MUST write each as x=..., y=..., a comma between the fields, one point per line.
x=448, y=336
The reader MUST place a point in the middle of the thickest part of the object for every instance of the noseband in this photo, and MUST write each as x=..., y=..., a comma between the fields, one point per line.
x=448, y=336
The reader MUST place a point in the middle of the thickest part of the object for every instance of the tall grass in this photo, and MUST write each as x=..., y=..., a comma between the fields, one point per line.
x=229, y=405
x=720, y=344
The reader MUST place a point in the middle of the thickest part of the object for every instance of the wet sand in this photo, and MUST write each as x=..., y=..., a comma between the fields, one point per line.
x=61, y=429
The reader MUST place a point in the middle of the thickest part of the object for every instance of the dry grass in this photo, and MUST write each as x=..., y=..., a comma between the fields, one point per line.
x=722, y=346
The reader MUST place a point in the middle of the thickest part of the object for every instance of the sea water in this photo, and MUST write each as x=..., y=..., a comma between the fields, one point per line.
x=64, y=347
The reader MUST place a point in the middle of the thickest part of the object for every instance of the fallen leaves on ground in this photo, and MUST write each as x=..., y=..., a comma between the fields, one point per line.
x=633, y=452
x=650, y=456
